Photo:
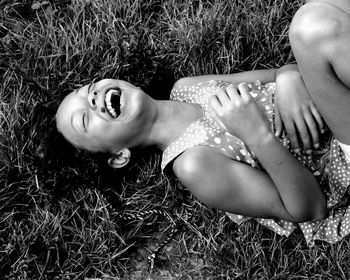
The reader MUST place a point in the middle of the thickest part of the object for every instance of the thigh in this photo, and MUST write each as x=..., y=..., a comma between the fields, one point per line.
x=320, y=39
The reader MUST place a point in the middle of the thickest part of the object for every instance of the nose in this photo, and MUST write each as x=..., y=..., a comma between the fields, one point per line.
x=92, y=100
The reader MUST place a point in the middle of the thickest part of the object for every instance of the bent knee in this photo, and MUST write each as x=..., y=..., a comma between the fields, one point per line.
x=315, y=24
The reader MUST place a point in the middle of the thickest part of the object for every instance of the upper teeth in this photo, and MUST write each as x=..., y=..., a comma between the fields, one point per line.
x=109, y=103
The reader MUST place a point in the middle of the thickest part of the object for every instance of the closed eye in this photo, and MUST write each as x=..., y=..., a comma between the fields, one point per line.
x=84, y=121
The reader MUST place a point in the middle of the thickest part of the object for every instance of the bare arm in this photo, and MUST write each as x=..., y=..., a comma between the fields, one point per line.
x=298, y=188
x=235, y=187
x=264, y=76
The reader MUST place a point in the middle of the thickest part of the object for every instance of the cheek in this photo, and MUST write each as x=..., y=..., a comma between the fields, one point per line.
x=97, y=130
x=102, y=131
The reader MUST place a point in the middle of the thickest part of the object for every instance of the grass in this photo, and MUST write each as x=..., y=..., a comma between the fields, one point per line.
x=65, y=214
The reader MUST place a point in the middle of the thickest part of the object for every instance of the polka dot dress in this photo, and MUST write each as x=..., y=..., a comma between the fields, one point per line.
x=328, y=163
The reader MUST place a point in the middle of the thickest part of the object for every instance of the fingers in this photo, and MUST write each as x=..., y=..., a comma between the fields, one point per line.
x=233, y=95
x=278, y=124
x=224, y=101
x=244, y=91
x=223, y=97
x=303, y=133
x=312, y=128
x=292, y=136
x=317, y=117
x=215, y=103
x=216, y=106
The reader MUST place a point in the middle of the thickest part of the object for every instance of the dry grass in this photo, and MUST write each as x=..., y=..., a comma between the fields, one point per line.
x=66, y=215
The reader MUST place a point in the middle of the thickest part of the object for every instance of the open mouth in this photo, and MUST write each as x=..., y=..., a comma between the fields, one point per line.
x=114, y=102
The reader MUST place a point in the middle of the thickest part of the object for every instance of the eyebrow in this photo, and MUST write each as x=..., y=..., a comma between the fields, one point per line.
x=88, y=89
x=90, y=86
x=92, y=82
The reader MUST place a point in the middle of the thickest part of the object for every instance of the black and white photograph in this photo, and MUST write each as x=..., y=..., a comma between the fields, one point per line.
x=174, y=140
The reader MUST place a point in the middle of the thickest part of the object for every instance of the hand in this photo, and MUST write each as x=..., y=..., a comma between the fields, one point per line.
x=300, y=117
x=236, y=111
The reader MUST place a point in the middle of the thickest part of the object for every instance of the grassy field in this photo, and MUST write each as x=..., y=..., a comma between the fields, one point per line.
x=65, y=214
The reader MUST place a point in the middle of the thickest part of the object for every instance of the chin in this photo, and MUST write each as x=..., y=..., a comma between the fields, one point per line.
x=137, y=104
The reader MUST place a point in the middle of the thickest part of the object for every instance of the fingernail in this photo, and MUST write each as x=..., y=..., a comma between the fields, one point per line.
x=317, y=145
x=309, y=151
x=297, y=150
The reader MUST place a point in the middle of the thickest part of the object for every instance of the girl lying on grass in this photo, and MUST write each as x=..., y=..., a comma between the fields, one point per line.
x=221, y=136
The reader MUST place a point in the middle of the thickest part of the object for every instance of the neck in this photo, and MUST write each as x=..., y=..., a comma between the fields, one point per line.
x=171, y=120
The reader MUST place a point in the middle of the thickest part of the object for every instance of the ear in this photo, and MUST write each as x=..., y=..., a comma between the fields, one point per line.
x=120, y=159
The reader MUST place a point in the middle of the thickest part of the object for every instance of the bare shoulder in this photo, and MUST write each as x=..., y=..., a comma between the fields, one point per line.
x=201, y=163
x=193, y=162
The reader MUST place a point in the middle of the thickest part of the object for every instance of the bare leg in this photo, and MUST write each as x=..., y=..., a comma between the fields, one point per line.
x=320, y=39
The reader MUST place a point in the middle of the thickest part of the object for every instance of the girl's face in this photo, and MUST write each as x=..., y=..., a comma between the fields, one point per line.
x=104, y=116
